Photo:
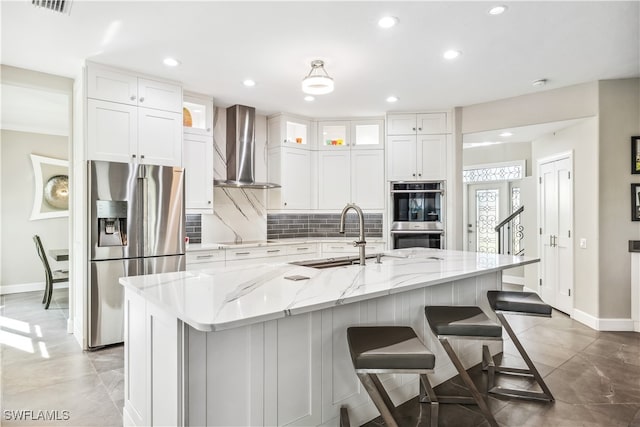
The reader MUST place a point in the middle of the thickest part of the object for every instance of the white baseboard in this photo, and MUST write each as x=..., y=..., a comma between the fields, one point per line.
x=29, y=287
x=516, y=280
x=602, y=324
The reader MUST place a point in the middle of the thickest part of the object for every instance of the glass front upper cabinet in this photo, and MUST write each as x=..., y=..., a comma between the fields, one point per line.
x=367, y=134
x=197, y=114
x=333, y=135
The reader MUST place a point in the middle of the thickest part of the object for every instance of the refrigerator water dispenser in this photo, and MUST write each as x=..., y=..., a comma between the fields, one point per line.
x=112, y=222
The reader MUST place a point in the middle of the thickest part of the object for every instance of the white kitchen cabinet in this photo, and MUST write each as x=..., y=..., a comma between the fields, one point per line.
x=124, y=133
x=420, y=124
x=352, y=176
x=337, y=135
x=288, y=130
x=159, y=137
x=198, y=260
x=334, y=179
x=367, y=134
x=367, y=178
x=198, y=165
x=346, y=248
x=422, y=157
x=198, y=111
x=334, y=135
x=114, y=85
x=302, y=251
x=112, y=131
x=291, y=168
x=242, y=256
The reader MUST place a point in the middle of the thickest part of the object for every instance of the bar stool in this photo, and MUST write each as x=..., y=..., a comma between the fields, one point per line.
x=390, y=350
x=464, y=322
x=526, y=303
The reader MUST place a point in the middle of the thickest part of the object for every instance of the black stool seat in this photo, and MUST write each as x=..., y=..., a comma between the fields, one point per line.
x=388, y=347
x=469, y=321
x=520, y=302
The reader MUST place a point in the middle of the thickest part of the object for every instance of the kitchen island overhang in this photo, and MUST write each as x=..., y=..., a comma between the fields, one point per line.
x=246, y=346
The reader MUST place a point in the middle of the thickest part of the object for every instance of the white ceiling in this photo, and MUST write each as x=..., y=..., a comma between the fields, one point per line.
x=28, y=109
x=222, y=43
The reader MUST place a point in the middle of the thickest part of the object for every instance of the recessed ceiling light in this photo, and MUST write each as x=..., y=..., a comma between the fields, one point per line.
x=539, y=82
x=387, y=21
x=392, y=99
x=249, y=83
x=309, y=98
x=497, y=10
x=451, y=54
x=505, y=134
x=171, y=62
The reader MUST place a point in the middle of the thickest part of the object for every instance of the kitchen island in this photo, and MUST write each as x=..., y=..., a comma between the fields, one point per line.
x=248, y=346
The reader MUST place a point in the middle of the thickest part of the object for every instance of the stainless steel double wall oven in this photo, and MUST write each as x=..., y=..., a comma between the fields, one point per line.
x=418, y=214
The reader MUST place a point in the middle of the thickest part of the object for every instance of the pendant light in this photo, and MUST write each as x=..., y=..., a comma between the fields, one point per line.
x=317, y=82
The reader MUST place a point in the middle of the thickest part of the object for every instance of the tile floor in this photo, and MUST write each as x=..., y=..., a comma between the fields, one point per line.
x=43, y=369
x=595, y=376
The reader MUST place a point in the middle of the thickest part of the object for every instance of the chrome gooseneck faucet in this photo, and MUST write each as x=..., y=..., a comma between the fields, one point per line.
x=360, y=243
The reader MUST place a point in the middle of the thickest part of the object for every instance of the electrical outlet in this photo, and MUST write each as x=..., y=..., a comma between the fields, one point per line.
x=583, y=243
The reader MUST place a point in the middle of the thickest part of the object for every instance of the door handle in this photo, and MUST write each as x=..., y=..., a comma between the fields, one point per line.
x=550, y=240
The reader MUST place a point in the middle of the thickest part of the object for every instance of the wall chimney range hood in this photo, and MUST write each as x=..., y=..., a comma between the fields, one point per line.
x=241, y=150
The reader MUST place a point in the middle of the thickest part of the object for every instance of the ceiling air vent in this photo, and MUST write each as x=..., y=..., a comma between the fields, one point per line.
x=61, y=6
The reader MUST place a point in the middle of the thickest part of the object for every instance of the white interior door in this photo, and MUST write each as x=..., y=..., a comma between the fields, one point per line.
x=556, y=240
x=488, y=205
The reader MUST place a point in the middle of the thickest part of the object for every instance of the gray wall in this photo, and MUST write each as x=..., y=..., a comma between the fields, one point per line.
x=619, y=112
x=498, y=153
x=20, y=264
x=601, y=146
x=582, y=139
x=572, y=102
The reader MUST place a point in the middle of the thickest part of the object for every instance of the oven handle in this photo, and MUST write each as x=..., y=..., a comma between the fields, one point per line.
x=417, y=232
x=417, y=191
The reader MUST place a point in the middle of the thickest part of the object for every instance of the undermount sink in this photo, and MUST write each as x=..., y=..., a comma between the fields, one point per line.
x=332, y=262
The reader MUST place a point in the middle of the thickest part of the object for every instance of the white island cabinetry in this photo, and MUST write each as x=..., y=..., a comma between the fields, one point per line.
x=245, y=346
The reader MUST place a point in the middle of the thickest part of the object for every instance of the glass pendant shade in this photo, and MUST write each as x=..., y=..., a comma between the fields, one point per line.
x=317, y=82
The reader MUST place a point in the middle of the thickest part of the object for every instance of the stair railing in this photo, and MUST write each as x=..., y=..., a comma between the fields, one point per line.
x=510, y=233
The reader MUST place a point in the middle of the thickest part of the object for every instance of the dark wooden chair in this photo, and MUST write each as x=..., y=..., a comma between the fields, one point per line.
x=51, y=277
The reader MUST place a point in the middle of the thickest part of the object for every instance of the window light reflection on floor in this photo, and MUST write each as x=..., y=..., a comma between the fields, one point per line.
x=13, y=334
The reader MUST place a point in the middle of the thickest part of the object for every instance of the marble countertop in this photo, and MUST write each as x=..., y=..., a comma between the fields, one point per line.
x=194, y=247
x=227, y=297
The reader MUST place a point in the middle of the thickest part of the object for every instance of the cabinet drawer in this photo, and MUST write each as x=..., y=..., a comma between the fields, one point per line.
x=205, y=256
x=302, y=248
x=249, y=253
x=347, y=248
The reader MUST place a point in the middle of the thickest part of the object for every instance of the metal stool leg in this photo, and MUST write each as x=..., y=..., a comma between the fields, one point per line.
x=478, y=398
x=427, y=395
x=379, y=397
x=531, y=371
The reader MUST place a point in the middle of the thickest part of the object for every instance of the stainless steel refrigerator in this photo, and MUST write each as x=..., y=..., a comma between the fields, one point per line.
x=136, y=226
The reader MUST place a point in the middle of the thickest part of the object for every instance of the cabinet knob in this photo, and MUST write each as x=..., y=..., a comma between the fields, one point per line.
x=419, y=128
x=133, y=156
x=209, y=202
x=132, y=97
x=413, y=128
x=285, y=203
x=414, y=174
x=208, y=129
x=419, y=174
x=142, y=99
x=142, y=156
